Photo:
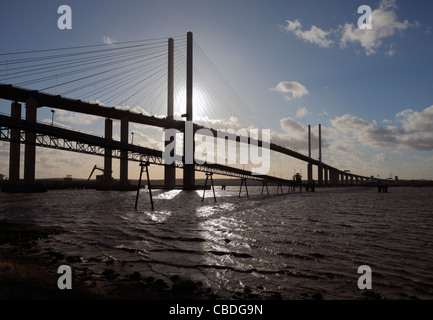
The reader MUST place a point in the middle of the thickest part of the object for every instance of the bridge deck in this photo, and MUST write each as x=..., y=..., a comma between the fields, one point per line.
x=13, y=93
x=64, y=139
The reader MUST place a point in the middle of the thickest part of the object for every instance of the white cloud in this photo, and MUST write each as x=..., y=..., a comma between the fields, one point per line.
x=315, y=35
x=324, y=113
x=364, y=132
x=135, y=109
x=147, y=140
x=302, y=112
x=96, y=101
x=296, y=89
x=294, y=136
x=292, y=126
x=108, y=40
x=413, y=130
x=362, y=145
x=139, y=110
x=75, y=118
x=380, y=159
x=391, y=51
x=55, y=123
x=424, y=159
x=385, y=24
x=416, y=122
x=223, y=124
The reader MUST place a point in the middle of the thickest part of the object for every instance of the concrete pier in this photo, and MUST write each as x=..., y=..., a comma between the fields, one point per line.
x=108, y=160
x=30, y=148
x=320, y=167
x=309, y=165
x=124, y=133
x=15, y=147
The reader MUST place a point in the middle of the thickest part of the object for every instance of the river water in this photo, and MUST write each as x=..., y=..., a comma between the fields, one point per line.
x=295, y=245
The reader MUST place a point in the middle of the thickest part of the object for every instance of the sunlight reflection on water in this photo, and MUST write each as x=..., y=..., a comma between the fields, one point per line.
x=294, y=244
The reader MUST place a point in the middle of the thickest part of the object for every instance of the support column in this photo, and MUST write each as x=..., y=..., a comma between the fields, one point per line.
x=310, y=165
x=336, y=177
x=30, y=148
x=332, y=177
x=188, y=169
x=320, y=174
x=310, y=173
x=170, y=172
x=14, y=152
x=108, y=160
x=320, y=168
x=124, y=133
x=326, y=180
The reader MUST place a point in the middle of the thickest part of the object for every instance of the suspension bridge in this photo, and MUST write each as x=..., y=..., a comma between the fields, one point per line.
x=164, y=83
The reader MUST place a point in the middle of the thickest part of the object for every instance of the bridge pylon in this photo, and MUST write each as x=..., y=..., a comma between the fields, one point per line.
x=170, y=171
x=189, y=146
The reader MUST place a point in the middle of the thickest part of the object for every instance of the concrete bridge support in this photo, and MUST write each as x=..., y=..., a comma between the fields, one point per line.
x=170, y=172
x=108, y=160
x=320, y=174
x=332, y=177
x=320, y=167
x=326, y=178
x=14, y=153
x=188, y=169
x=30, y=148
x=124, y=133
x=310, y=173
x=309, y=165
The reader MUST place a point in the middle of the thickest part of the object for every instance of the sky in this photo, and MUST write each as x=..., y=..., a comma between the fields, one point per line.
x=293, y=63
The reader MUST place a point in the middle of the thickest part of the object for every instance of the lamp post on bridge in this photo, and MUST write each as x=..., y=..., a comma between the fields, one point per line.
x=52, y=116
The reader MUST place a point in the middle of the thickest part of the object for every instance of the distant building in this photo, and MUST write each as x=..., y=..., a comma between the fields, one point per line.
x=396, y=178
x=68, y=178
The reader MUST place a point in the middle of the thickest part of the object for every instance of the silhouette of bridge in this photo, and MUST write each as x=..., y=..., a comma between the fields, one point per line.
x=28, y=131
